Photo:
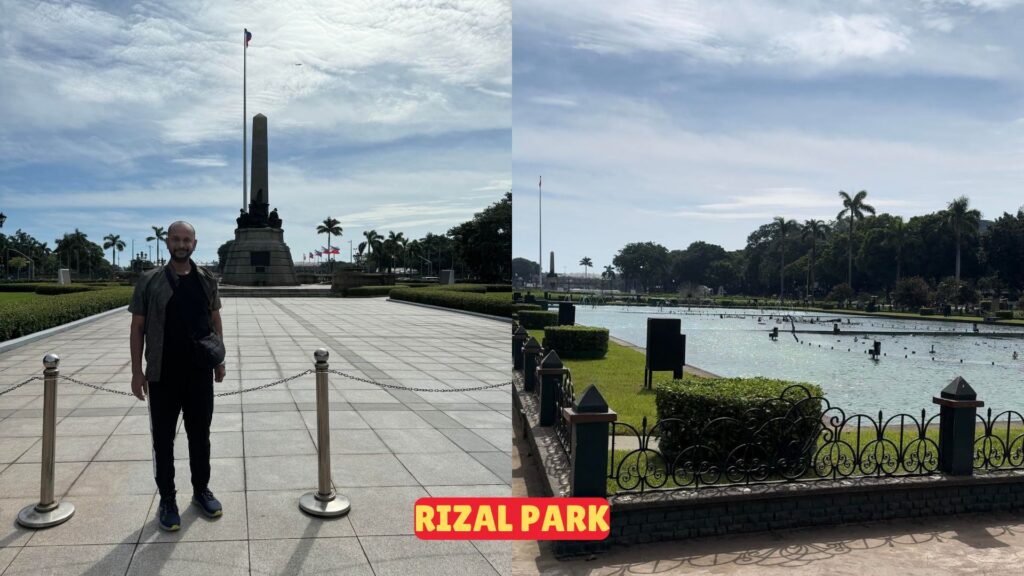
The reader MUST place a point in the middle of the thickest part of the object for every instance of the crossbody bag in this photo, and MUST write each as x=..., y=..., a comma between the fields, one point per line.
x=209, y=348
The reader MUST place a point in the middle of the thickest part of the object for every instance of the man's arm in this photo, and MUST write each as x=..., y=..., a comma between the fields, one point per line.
x=138, y=334
x=218, y=327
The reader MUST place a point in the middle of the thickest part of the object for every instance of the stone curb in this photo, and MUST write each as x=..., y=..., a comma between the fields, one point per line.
x=29, y=338
x=478, y=314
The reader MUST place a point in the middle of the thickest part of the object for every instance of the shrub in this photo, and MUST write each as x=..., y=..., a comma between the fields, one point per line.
x=21, y=318
x=697, y=401
x=532, y=319
x=1004, y=314
x=498, y=287
x=462, y=300
x=367, y=291
x=26, y=287
x=840, y=293
x=911, y=292
x=577, y=341
x=926, y=311
x=62, y=288
x=827, y=306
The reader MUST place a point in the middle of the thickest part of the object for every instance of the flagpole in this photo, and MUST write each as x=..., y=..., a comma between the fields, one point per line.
x=245, y=126
x=540, y=236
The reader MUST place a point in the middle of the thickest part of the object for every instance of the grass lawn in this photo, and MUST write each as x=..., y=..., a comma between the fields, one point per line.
x=620, y=378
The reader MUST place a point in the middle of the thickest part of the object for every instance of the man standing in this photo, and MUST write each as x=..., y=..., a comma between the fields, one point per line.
x=171, y=308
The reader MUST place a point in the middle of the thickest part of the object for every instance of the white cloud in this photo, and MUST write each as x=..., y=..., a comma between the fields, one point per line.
x=560, y=101
x=833, y=39
x=202, y=161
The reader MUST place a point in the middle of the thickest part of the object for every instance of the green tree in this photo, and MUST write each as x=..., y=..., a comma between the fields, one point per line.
x=898, y=240
x=114, y=242
x=586, y=262
x=485, y=242
x=911, y=293
x=643, y=262
x=781, y=229
x=853, y=208
x=160, y=235
x=330, y=227
x=372, y=245
x=964, y=221
x=814, y=230
x=1004, y=246
x=525, y=268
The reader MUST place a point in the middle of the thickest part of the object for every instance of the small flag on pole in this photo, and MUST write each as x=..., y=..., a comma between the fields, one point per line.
x=248, y=37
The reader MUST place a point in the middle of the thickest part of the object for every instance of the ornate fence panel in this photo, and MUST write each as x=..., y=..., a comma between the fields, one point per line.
x=797, y=437
x=999, y=441
x=565, y=397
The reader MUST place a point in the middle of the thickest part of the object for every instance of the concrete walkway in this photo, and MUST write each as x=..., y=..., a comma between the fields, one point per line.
x=389, y=447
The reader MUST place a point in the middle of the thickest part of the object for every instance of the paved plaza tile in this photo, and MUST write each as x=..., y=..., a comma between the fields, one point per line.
x=389, y=447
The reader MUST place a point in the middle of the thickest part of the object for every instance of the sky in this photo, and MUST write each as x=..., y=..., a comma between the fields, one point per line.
x=678, y=121
x=119, y=116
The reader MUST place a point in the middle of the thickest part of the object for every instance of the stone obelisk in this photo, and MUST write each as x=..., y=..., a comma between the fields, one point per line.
x=259, y=256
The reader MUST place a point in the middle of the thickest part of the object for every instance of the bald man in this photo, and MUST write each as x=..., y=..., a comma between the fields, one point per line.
x=173, y=306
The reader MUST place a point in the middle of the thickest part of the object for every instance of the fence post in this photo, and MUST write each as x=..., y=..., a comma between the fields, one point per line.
x=48, y=512
x=590, y=420
x=519, y=337
x=957, y=420
x=531, y=356
x=324, y=501
x=550, y=373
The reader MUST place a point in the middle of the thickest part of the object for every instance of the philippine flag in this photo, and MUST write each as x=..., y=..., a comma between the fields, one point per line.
x=248, y=36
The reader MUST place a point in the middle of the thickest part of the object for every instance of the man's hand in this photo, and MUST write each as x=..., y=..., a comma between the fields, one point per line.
x=140, y=387
x=218, y=373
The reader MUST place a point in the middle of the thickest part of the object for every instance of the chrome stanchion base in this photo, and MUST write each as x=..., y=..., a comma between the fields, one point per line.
x=337, y=505
x=35, y=517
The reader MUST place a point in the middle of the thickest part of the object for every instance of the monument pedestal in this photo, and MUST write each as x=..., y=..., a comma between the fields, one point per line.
x=259, y=257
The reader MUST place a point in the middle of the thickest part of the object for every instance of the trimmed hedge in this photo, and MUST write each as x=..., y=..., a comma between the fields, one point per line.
x=368, y=291
x=1004, y=314
x=577, y=341
x=925, y=311
x=697, y=401
x=25, y=287
x=26, y=317
x=537, y=318
x=51, y=289
x=463, y=300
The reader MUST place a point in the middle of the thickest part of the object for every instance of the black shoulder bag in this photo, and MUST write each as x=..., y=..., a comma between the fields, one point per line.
x=209, y=348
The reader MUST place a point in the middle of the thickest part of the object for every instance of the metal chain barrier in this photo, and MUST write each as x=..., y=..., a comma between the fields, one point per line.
x=275, y=383
x=395, y=387
x=16, y=386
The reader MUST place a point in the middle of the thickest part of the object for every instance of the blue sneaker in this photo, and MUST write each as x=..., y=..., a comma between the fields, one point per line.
x=208, y=503
x=169, y=518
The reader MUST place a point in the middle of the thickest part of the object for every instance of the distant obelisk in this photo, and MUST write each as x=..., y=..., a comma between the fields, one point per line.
x=259, y=256
x=551, y=266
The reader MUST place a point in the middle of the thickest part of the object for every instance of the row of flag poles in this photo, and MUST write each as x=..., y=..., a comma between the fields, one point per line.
x=322, y=252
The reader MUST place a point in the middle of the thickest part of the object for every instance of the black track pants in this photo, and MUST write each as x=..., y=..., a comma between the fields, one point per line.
x=192, y=396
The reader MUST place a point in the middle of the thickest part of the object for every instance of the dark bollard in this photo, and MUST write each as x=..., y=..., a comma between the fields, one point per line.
x=549, y=374
x=519, y=337
x=589, y=422
x=835, y=328
x=876, y=350
x=517, y=296
x=566, y=314
x=957, y=418
x=531, y=357
x=774, y=334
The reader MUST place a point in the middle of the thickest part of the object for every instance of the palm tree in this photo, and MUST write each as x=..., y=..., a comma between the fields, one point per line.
x=160, y=235
x=396, y=246
x=964, y=222
x=330, y=227
x=609, y=272
x=372, y=242
x=586, y=262
x=854, y=208
x=781, y=228
x=815, y=230
x=114, y=242
x=899, y=240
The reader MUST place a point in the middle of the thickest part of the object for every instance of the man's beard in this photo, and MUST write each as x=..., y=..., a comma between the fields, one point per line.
x=183, y=258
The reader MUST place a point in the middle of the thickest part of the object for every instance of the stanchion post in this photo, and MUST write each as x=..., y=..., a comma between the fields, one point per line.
x=323, y=502
x=48, y=512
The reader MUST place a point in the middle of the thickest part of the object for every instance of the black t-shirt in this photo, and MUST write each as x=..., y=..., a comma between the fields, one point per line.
x=187, y=311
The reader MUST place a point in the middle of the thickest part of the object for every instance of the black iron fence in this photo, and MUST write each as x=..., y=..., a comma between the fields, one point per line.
x=798, y=437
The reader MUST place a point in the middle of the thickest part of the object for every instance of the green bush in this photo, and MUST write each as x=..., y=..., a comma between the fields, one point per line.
x=827, y=306
x=577, y=341
x=926, y=311
x=62, y=288
x=473, y=288
x=21, y=287
x=1004, y=314
x=726, y=303
x=533, y=319
x=498, y=287
x=697, y=401
x=462, y=300
x=367, y=291
x=26, y=317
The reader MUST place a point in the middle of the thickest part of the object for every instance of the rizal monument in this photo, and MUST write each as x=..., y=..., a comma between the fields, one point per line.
x=258, y=256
